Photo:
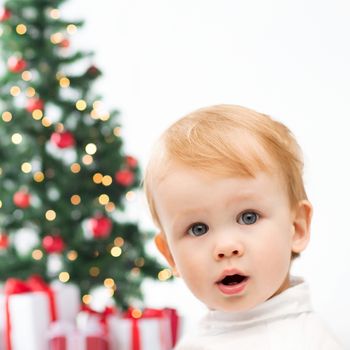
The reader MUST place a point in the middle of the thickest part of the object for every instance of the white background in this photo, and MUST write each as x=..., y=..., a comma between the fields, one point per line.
x=291, y=59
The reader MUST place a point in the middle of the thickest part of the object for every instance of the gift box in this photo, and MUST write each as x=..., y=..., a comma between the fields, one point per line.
x=65, y=336
x=27, y=318
x=151, y=329
x=28, y=307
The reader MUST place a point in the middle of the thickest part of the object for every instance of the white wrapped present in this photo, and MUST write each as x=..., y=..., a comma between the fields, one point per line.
x=147, y=330
x=28, y=316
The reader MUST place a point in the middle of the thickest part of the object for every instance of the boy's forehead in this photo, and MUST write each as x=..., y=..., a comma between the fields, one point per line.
x=184, y=179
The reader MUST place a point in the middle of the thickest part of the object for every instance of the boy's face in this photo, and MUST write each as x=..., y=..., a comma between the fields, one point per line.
x=230, y=239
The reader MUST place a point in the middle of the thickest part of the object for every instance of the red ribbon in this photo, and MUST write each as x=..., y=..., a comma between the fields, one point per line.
x=135, y=331
x=101, y=315
x=17, y=286
x=147, y=313
x=174, y=323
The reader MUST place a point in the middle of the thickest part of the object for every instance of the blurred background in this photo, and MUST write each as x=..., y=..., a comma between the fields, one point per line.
x=289, y=59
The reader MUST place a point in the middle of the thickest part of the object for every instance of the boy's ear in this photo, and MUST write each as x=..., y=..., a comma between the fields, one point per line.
x=301, y=225
x=162, y=245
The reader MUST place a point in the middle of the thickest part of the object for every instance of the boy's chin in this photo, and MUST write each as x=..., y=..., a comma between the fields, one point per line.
x=237, y=306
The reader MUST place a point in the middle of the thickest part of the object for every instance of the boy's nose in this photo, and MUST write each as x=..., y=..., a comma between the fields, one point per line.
x=228, y=250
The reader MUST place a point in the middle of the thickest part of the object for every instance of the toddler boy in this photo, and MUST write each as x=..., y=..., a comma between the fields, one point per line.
x=225, y=188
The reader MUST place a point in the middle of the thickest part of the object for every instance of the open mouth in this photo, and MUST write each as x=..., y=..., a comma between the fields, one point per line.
x=233, y=280
x=233, y=284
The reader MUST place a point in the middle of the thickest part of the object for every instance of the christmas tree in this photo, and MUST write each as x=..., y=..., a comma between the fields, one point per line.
x=64, y=177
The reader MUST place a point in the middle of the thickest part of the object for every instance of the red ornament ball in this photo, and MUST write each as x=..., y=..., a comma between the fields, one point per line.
x=64, y=43
x=131, y=162
x=124, y=177
x=5, y=14
x=100, y=226
x=4, y=240
x=63, y=139
x=16, y=64
x=93, y=71
x=21, y=199
x=53, y=244
x=34, y=103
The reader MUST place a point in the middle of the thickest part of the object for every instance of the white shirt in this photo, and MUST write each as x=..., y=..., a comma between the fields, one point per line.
x=284, y=322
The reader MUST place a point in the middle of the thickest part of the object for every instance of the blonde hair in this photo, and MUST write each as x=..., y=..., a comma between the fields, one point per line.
x=218, y=139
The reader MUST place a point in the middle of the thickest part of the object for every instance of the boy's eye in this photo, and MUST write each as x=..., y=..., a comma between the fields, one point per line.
x=248, y=218
x=198, y=229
